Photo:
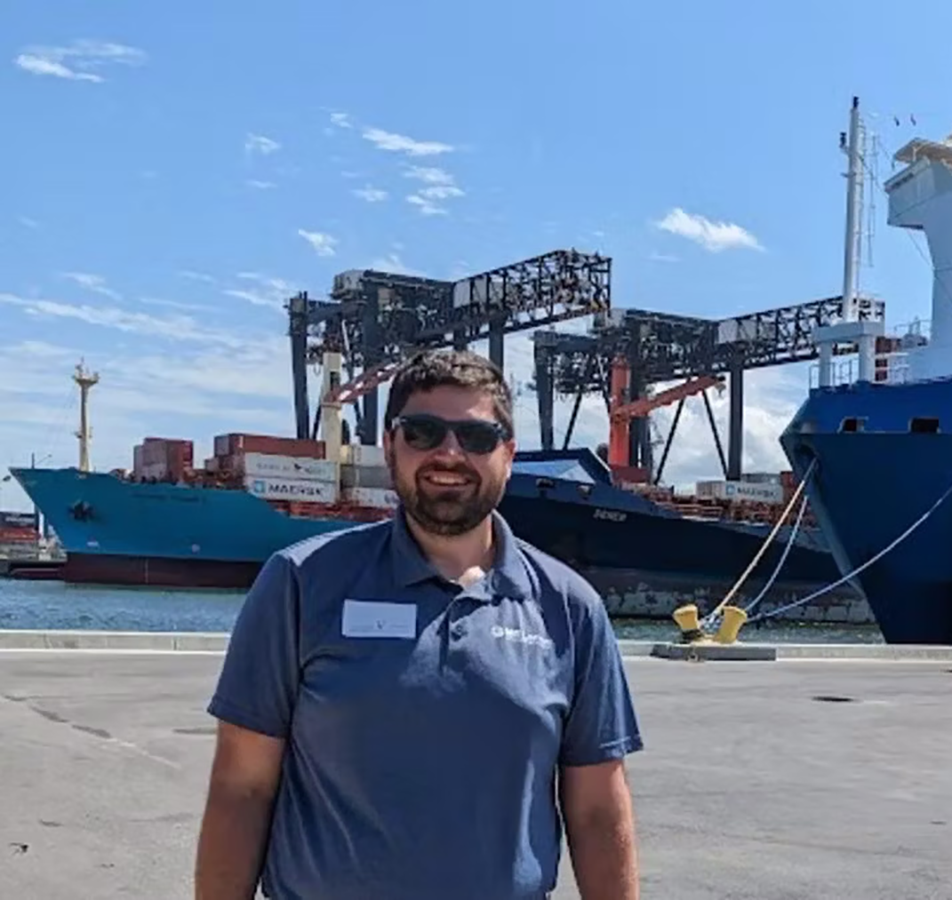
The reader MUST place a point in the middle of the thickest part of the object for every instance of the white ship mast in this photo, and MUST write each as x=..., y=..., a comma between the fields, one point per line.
x=85, y=380
x=855, y=148
x=851, y=328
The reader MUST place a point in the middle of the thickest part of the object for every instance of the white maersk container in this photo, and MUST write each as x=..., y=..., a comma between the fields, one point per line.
x=754, y=492
x=294, y=490
x=267, y=465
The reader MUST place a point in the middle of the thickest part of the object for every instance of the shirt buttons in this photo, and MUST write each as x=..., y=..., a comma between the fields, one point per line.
x=458, y=629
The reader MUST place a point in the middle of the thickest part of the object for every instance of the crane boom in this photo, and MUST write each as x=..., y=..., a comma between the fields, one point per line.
x=622, y=412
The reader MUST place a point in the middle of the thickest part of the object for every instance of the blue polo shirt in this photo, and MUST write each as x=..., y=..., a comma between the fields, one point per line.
x=425, y=722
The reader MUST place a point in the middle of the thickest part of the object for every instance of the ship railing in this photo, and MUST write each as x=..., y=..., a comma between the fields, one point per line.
x=892, y=363
x=889, y=368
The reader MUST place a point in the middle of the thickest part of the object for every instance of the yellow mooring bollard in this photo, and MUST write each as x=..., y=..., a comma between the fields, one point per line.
x=689, y=623
x=731, y=624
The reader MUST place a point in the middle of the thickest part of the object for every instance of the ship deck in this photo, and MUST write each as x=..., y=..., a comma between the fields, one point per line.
x=748, y=787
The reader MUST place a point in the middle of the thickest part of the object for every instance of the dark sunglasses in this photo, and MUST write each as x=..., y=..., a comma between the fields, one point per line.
x=426, y=432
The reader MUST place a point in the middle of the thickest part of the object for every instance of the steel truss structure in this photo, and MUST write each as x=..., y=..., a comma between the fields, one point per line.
x=376, y=318
x=660, y=347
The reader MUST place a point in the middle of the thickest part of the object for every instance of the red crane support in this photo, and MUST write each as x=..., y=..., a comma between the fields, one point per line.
x=621, y=413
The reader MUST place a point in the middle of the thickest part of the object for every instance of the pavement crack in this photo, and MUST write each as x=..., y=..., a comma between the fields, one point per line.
x=49, y=714
x=98, y=732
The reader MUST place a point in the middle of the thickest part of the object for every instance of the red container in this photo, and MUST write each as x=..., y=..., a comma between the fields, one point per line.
x=18, y=536
x=630, y=474
x=231, y=444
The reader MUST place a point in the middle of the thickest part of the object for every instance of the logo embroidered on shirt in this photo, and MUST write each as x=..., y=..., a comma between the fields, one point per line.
x=517, y=635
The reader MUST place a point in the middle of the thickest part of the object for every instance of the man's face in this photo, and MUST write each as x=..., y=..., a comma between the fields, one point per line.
x=446, y=490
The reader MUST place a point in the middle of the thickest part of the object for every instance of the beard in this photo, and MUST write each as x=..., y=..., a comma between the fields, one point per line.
x=447, y=511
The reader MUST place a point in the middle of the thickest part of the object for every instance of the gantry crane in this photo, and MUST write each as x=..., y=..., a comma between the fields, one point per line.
x=644, y=348
x=376, y=319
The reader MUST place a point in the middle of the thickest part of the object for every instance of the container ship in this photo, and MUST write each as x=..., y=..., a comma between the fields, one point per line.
x=876, y=452
x=171, y=523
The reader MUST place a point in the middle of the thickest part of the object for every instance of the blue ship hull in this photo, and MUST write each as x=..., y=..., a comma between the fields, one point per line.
x=119, y=532
x=870, y=485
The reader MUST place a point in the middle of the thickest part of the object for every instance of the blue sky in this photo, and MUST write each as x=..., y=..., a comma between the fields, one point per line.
x=171, y=172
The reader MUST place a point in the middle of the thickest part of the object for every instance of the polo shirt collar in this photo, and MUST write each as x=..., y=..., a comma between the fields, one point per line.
x=508, y=576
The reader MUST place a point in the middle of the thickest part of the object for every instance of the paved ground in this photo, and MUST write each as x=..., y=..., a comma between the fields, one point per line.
x=749, y=788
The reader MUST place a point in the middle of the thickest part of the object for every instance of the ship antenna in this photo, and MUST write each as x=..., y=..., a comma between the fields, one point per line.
x=85, y=380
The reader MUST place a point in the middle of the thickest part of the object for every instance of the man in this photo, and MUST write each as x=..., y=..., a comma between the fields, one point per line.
x=405, y=707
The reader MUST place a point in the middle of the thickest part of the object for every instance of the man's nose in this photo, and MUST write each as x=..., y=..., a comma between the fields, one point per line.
x=450, y=445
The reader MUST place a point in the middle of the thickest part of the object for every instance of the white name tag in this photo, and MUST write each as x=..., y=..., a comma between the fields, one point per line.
x=372, y=618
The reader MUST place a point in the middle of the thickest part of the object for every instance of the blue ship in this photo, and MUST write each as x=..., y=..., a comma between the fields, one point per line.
x=117, y=531
x=875, y=450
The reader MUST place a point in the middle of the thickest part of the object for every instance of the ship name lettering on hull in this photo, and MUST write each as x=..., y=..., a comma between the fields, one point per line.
x=612, y=515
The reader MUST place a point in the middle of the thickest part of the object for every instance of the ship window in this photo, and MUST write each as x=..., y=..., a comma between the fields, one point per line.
x=853, y=423
x=924, y=425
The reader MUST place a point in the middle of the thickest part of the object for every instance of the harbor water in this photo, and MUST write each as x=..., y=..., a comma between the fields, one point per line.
x=52, y=605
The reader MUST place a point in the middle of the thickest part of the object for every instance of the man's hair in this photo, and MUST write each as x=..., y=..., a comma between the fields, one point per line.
x=454, y=368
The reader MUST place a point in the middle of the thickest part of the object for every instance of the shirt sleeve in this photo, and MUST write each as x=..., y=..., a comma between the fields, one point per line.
x=601, y=723
x=259, y=679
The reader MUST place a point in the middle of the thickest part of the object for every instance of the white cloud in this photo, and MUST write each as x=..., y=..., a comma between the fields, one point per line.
x=260, y=185
x=341, y=120
x=175, y=328
x=429, y=174
x=197, y=276
x=460, y=269
x=94, y=283
x=323, y=244
x=392, y=262
x=399, y=143
x=654, y=256
x=176, y=304
x=426, y=207
x=267, y=291
x=258, y=143
x=712, y=236
x=79, y=60
x=440, y=192
x=440, y=185
x=371, y=194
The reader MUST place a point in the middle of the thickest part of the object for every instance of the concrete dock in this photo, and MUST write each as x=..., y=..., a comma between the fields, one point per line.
x=801, y=778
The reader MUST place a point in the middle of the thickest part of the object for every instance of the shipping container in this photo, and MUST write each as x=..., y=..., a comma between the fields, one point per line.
x=18, y=520
x=378, y=497
x=177, y=454
x=18, y=536
x=158, y=470
x=377, y=477
x=740, y=490
x=627, y=476
x=366, y=455
x=267, y=465
x=761, y=477
x=291, y=489
x=230, y=444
